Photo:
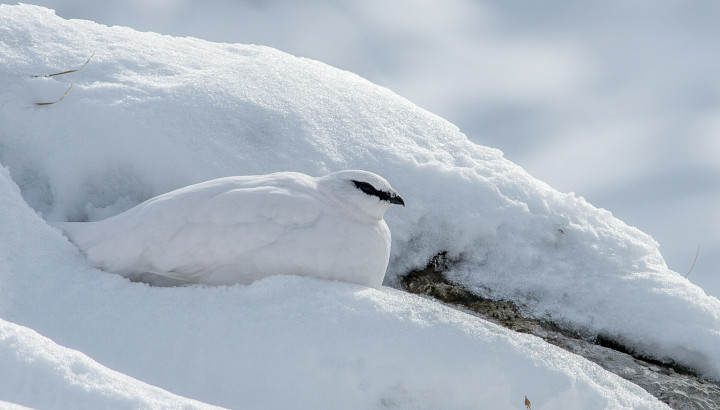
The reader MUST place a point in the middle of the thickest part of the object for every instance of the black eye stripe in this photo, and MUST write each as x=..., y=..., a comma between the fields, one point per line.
x=370, y=190
x=365, y=187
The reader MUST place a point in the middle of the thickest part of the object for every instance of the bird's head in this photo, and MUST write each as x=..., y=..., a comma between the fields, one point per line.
x=361, y=191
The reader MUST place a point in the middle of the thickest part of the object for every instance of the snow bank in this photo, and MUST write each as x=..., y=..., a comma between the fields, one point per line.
x=37, y=372
x=284, y=342
x=151, y=113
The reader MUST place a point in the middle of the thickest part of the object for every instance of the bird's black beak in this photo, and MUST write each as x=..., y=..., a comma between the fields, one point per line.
x=397, y=200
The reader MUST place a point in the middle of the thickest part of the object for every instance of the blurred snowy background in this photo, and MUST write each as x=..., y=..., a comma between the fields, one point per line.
x=616, y=101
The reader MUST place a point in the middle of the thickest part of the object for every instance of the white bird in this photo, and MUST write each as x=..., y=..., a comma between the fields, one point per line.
x=244, y=228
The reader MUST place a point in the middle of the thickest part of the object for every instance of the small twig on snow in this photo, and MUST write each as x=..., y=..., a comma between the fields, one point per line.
x=693, y=265
x=51, y=103
x=68, y=71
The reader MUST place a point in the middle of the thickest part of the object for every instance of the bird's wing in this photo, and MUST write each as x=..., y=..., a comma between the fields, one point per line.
x=183, y=233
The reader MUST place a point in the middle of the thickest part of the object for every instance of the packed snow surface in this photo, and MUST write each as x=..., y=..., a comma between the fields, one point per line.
x=37, y=372
x=152, y=113
x=245, y=228
x=282, y=342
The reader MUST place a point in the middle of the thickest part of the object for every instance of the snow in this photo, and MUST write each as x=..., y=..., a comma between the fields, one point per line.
x=589, y=99
x=282, y=342
x=42, y=374
x=152, y=113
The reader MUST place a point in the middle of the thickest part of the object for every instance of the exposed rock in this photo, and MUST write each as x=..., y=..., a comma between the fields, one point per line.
x=678, y=387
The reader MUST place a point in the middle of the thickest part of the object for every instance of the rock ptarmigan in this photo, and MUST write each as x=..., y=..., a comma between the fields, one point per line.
x=244, y=228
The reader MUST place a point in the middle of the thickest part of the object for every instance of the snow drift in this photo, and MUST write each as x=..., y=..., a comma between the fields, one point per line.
x=283, y=342
x=151, y=113
x=39, y=373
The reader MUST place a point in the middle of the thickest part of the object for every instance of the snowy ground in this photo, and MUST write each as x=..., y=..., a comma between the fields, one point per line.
x=617, y=102
x=150, y=113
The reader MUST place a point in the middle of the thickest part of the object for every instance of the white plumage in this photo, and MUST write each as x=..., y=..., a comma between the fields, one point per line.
x=241, y=229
